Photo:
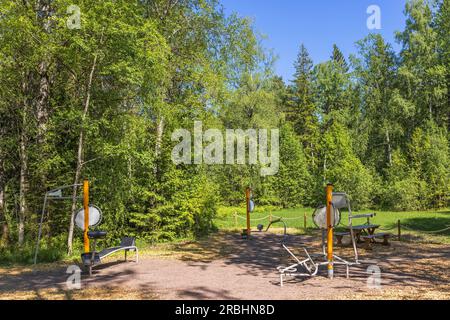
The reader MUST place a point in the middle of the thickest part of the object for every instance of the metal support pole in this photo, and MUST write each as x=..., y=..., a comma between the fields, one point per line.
x=304, y=221
x=40, y=229
x=247, y=196
x=86, y=215
x=55, y=194
x=329, y=191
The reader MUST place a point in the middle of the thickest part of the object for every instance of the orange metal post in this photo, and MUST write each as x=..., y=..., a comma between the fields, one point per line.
x=86, y=215
x=247, y=196
x=330, y=231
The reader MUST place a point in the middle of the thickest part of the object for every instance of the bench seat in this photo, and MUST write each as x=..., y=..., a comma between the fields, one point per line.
x=371, y=238
x=340, y=235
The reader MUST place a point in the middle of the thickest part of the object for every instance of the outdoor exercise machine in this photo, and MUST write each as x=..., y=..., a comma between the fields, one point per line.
x=250, y=207
x=83, y=218
x=89, y=216
x=250, y=204
x=361, y=232
x=52, y=195
x=308, y=264
x=326, y=218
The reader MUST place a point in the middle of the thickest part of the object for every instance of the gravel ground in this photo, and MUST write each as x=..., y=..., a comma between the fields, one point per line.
x=227, y=267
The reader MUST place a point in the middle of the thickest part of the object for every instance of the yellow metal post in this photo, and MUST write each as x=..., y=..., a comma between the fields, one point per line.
x=86, y=215
x=330, y=231
x=304, y=221
x=247, y=196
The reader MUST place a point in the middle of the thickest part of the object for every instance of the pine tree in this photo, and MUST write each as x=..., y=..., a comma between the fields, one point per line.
x=338, y=58
x=303, y=65
x=300, y=108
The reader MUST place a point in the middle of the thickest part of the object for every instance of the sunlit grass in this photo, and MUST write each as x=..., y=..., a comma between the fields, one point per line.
x=417, y=225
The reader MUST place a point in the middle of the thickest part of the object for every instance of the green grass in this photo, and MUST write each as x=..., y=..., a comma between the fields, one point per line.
x=420, y=223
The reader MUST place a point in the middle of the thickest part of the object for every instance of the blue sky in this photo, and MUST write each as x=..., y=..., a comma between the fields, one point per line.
x=316, y=23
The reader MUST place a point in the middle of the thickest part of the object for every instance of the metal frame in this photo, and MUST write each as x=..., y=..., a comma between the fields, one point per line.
x=313, y=269
x=339, y=201
x=130, y=248
x=54, y=194
x=309, y=265
x=102, y=255
x=339, y=205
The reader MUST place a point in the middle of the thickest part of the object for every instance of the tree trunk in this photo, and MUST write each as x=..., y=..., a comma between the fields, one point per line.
x=42, y=103
x=430, y=108
x=448, y=100
x=23, y=181
x=75, y=194
x=4, y=227
x=80, y=156
x=3, y=222
x=158, y=145
x=389, y=148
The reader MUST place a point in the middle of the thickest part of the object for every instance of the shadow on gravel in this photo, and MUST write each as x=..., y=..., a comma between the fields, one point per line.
x=228, y=255
x=401, y=263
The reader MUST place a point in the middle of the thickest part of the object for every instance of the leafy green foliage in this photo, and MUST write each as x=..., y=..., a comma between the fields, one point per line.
x=293, y=181
x=102, y=101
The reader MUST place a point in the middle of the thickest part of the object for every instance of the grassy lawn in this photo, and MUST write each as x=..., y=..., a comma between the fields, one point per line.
x=416, y=226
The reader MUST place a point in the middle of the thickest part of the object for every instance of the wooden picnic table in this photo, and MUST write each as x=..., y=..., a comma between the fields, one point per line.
x=368, y=229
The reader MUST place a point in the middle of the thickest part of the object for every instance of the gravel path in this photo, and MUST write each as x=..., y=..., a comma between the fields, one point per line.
x=247, y=270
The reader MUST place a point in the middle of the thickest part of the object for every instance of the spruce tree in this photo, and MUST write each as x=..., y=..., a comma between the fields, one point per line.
x=300, y=108
x=338, y=58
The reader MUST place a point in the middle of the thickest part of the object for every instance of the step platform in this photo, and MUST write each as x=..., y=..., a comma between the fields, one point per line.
x=86, y=258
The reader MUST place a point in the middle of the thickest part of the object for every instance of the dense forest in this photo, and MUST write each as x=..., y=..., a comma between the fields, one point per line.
x=97, y=94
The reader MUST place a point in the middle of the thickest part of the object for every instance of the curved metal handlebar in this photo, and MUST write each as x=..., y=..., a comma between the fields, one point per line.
x=280, y=220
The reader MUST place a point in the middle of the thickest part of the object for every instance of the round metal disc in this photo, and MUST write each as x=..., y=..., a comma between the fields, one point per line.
x=251, y=206
x=320, y=217
x=95, y=217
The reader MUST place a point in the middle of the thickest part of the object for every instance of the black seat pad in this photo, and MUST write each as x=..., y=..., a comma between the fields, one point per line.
x=96, y=234
x=87, y=258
